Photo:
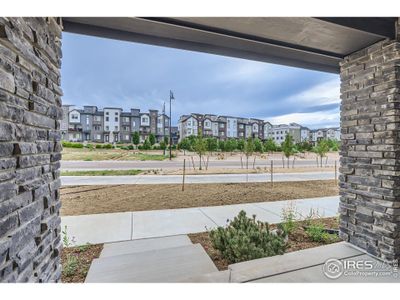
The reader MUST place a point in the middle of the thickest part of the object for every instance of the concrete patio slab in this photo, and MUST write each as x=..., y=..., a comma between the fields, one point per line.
x=136, y=246
x=100, y=228
x=166, y=265
x=220, y=214
x=270, y=266
x=168, y=222
x=315, y=274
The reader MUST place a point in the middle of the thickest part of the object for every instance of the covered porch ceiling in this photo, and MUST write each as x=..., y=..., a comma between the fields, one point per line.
x=311, y=43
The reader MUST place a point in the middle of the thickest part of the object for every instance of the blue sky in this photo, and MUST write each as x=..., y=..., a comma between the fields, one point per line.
x=106, y=72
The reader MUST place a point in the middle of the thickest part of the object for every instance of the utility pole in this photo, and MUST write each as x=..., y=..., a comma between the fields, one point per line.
x=171, y=96
x=163, y=126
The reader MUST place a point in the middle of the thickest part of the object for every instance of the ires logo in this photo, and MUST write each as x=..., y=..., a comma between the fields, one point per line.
x=334, y=268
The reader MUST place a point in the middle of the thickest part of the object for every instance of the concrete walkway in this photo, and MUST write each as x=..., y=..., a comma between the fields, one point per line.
x=113, y=227
x=174, y=164
x=209, y=178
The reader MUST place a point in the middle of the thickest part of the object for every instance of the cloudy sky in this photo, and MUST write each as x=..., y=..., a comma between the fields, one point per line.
x=113, y=73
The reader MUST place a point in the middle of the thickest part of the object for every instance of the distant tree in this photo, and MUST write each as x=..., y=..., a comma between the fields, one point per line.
x=288, y=147
x=240, y=144
x=200, y=147
x=136, y=138
x=152, y=139
x=146, y=144
x=163, y=145
x=258, y=146
x=212, y=144
x=184, y=145
x=230, y=145
x=221, y=145
x=304, y=146
x=270, y=145
x=248, y=150
x=321, y=149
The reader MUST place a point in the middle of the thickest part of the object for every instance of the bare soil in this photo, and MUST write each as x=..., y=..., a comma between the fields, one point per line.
x=84, y=255
x=298, y=240
x=82, y=200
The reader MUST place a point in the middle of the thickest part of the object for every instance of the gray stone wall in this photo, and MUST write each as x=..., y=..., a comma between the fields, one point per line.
x=30, y=110
x=370, y=153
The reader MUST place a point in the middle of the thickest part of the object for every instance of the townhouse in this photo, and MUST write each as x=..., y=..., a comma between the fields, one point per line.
x=226, y=127
x=111, y=125
x=221, y=127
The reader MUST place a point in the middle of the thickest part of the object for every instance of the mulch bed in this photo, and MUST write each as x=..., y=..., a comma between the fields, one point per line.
x=84, y=255
x=298, y=240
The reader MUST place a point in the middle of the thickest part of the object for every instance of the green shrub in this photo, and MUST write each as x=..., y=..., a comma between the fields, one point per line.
x=67, y=144
x=246, y=239
x=316, y=232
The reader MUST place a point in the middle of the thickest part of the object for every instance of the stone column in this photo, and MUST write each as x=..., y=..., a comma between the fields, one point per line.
x=30, y=110
x=370, y=151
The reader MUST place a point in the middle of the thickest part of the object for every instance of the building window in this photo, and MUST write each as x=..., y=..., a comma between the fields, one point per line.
x=116, y=128
x=106, y=138
x=97, y=118
x=97, y=127
x=107, y=119
x=116, y=114
x=106, y=113
x=107, y=128
x=116, y=119
x=133, y=123
x=74, y=117
x=87, y=120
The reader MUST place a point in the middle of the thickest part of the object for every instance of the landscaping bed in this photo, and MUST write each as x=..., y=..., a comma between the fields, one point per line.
x=76, y=262
x=299, y=239
x=82, y=200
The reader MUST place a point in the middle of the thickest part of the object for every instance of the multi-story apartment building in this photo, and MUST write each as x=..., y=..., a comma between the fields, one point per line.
x=325, y=133
x=221, y=127
x=278, y=132
x=225, y=127
x=111, y=125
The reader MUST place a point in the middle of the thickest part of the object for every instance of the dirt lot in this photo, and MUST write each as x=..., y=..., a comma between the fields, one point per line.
x=110, y=154
x=82, y=200
x=298, y=240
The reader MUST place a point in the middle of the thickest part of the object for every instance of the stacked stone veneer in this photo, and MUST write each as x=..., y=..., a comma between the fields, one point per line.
x=370, y=152
x=30, y=110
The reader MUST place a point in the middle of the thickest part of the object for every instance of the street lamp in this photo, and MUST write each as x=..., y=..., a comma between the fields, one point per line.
x=171, y=97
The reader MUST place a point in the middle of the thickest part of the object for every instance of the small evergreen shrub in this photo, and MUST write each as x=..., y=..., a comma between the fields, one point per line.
x=246, y=239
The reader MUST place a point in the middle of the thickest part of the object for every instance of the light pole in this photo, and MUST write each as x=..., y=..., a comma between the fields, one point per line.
x=171, y=96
